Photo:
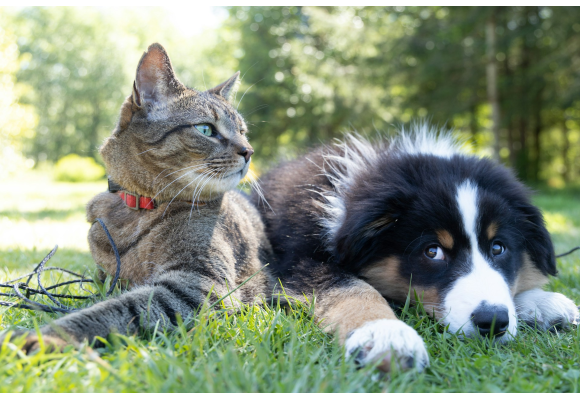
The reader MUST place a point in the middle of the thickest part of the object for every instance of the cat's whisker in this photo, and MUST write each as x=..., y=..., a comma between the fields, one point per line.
x=166, y=186
x=191, y=166
x=195, y=190
x=216, y=185
x=238, y=106
x=190, y=183
x=204, y=183
x=217, y=174
x=241, y=79
x=154, y=148
x=261, y=107
x=159, y=174
x=207, y=183
x=252, y=66
x=194, y=203
x=198, y=183
x=220, y=180
x=255, y=185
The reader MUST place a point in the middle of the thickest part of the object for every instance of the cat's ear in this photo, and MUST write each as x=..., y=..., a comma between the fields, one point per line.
x=225, y=89
x=155, y=81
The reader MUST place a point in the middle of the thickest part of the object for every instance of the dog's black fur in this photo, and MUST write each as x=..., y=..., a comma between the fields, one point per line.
x=415, y=190
x=340, y=211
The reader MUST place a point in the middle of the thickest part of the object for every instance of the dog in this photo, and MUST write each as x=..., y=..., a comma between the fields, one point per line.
x=358, y=221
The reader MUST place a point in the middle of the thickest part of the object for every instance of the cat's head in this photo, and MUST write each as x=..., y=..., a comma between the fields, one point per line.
x=175, y=142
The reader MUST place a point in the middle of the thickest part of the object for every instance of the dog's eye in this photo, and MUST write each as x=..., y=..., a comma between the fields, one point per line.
x=435, y=252
x=497, y=248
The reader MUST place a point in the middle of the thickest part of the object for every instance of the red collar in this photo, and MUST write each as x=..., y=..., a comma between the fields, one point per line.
x=136, y=201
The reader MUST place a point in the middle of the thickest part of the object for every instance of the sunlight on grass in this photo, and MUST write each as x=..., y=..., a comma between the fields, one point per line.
x=258, y=349
x=37, y=213
x=43, y=234
x=558, y=223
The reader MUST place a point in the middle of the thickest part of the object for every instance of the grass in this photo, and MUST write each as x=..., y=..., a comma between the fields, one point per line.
x=259, y=349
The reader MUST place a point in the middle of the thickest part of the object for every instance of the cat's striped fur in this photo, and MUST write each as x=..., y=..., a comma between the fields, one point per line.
x=199, y=243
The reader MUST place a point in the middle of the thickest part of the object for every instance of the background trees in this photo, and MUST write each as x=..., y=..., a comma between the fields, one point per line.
x=311, y=73
x=16, y=121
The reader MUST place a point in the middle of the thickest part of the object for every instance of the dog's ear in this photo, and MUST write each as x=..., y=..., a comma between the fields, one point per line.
x=354, y=248
x=538, y=242
x=355, y=240
x=528, y=220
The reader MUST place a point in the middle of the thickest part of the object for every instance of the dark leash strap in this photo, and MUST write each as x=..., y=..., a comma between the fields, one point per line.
x=29, y=304
x=568, y=252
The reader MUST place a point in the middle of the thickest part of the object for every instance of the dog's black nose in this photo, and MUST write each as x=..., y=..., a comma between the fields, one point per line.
x=491, y=320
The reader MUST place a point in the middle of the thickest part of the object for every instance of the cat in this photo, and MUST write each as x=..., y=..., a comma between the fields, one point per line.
x=183, y=236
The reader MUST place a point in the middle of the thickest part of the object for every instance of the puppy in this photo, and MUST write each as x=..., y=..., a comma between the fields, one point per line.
x=358, y=222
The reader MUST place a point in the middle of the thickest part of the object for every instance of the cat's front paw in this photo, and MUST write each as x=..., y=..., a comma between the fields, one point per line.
x=545, y=310
x=387, y=340
x=32, y=341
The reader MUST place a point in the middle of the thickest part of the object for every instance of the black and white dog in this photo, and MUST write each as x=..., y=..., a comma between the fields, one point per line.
x=358, y=222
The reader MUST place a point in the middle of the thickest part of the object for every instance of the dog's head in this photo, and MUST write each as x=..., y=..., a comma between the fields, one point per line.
x=461, y=230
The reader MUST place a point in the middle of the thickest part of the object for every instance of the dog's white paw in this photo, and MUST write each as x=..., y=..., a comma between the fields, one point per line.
x=386, y=340
x=546, y=309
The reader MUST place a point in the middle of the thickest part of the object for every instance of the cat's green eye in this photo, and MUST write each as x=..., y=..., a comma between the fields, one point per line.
x=204, y=129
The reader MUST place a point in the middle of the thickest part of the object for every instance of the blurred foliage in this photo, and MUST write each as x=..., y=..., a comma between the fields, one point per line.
x=74, y=168
x=312, y=73
x=539, y=79
x=16, y=121
x=366, y=68
x=73, y=63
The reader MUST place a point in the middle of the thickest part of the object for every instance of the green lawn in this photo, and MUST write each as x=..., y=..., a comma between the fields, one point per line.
x=265, y=350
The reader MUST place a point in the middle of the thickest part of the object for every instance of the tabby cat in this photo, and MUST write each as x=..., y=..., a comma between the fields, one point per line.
x=181, y=234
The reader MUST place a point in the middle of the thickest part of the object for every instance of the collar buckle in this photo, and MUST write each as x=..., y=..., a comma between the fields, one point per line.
x=137, y=199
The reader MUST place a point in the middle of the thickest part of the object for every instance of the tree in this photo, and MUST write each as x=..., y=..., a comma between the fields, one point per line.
x=16, y=120
x=536, y=79
x=312, y=72
x=77, y=73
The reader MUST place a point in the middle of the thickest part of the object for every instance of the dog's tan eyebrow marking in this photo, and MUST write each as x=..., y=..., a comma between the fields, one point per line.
x=445, y=238
x=491, y=230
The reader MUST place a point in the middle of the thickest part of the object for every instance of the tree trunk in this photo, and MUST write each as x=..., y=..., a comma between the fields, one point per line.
x=523, y=107
x=566, y=173
x=523, y=156
x=509, y=122
x=492, y=92
x=93, y=135
x=537, y=133
x=511, y=145
x=473, y=119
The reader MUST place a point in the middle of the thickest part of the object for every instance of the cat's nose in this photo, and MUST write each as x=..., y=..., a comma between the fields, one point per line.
x=246, y=153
